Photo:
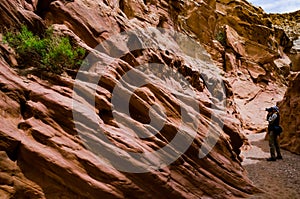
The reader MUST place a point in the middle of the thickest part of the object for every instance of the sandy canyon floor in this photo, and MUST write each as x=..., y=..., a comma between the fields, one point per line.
x=279, y=179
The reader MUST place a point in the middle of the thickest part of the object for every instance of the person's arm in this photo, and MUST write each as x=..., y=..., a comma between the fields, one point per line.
x=268, y=116
x=272, y=118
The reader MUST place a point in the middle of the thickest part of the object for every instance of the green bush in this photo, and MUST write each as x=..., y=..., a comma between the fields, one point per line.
x=50, y=53
x=221, y=37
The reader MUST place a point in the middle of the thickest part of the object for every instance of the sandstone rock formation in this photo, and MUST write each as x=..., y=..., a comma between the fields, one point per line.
x=294, y=55
x=290, y=23
x=289, y=108
x=38, y=133
x=14, y=14
x=253, y=58
x=60, y=147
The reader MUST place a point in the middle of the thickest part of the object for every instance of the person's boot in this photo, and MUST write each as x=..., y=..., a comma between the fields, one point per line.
x=271, y=159
x=279, y=157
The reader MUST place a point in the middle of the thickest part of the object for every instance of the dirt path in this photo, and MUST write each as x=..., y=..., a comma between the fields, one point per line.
x=278, y=180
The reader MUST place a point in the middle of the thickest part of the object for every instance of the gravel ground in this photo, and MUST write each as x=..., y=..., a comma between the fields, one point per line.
x=279, y=179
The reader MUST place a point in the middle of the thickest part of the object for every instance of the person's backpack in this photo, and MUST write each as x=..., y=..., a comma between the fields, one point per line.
x=278, y=130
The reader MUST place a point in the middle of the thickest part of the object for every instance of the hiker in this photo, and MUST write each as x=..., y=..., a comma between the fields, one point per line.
x=273, y=118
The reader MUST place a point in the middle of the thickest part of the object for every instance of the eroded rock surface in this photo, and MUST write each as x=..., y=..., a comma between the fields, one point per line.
x=254, y=60
x=289, y=107
x=38, y=132
x=290, y=23
x=59, y=156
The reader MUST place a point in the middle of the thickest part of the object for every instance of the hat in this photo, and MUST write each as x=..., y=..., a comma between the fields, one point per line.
x=276, y=108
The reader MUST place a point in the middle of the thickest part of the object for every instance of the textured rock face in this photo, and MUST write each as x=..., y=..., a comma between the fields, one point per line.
x=253, y=58
x=48, y=148
x=37, y=131
x=294, y=55
x=15, y=14
x=14, y=183
x=289, y=22
x=289, y=107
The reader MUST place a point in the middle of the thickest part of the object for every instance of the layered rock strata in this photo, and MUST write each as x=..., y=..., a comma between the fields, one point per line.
x=289, y=111
x=65, y=135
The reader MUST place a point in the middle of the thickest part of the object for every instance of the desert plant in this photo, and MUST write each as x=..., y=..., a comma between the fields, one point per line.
x=221, y=37
x=50, y=53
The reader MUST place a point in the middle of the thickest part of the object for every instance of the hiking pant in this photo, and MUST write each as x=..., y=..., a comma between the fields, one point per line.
x=273, y=143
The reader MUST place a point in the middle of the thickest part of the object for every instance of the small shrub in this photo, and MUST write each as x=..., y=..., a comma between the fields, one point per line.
x=50, y=53
x=221, y=37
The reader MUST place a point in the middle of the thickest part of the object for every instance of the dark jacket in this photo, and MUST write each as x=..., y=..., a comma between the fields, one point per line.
x=274, y=120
